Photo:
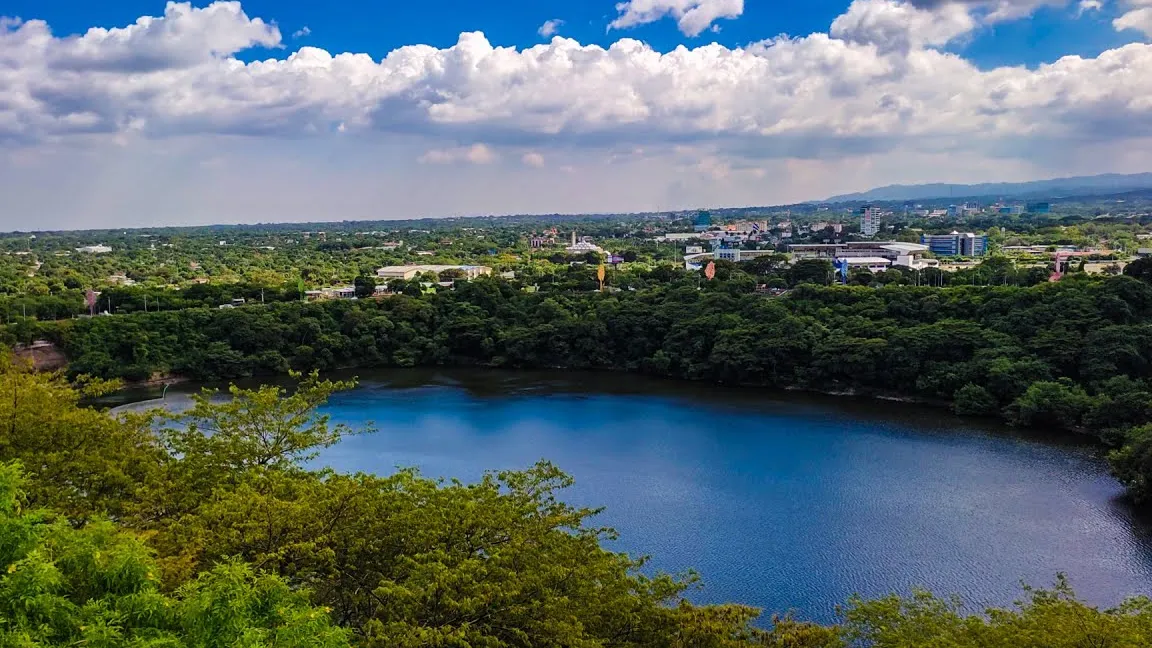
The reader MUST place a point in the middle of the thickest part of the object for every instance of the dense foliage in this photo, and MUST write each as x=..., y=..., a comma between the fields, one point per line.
x=98, y=586
x=223, y=538
x=1070, y=356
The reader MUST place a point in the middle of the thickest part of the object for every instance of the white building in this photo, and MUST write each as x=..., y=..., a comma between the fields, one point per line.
x=342, y=292
x=909, y=255
x=94, y=249
x=407, y=272
x=870, y=221
x=873, y=264
x=678, y=236
x=583, y=247
x=736, y=255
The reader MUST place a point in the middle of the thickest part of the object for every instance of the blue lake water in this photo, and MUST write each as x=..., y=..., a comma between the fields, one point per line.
x=781, y=501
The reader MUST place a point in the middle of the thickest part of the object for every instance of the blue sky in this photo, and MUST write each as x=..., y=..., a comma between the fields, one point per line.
x=181, y=118
x=377, y=28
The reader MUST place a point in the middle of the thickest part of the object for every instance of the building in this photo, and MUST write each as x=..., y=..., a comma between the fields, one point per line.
x=583, y=247
x=702, y=221
x=870, y=221
x=908, y=255
x=678, y=236
x=1039, y=208
x=956, y=244
x=342, y=292
x=737, y=255
x=407, y=272
x=94, y=249
x=696, y=261
x=728, y=254
x=872, y=264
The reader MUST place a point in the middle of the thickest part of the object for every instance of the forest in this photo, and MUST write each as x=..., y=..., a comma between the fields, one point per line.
x=1073, y=356
x=204, y=528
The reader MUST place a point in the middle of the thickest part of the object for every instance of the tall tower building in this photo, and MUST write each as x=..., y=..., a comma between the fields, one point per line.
x=870, y=221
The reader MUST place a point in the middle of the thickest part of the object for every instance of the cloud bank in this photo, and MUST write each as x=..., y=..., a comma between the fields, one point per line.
x=692, y=16
x=878, y=83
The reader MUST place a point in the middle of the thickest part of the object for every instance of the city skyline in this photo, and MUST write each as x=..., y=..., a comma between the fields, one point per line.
x=222, y=112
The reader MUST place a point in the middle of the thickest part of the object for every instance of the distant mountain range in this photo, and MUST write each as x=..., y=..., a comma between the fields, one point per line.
x=1108, y=183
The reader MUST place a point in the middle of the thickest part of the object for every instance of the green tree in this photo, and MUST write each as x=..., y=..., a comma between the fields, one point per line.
x=1047, y=403
x=96, y=586
x=365, y=286
x=1045, y=619
x=218, y=443
x=974, y=400
x=817, y=271
x=1140, y=268
x=80, y=461
x=1132, y=463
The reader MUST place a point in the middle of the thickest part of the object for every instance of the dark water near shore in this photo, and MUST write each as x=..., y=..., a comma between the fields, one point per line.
x=781, y=501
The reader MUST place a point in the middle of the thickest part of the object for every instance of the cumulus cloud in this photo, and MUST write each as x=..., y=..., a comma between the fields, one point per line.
x=302, y=32
x=550, y=28
x=475, y=154
x=877, y=83
x=902, y=26
x=1137, y=17
x=692, y=16
x=183, y=37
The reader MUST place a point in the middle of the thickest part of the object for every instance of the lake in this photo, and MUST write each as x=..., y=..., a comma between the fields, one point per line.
x=781, y=501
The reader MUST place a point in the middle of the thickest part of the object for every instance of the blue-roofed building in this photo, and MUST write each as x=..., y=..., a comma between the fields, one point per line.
x=956, y=244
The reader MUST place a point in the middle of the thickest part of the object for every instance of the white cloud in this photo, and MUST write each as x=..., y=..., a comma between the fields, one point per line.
x=183, y=37
x=475, y=154
x=992, y=11
x=1138, y=17
x=902, y=26
x=1089, y=5
x=692, y=16
x=873, y=101
x=550, y=28
x=302, y=32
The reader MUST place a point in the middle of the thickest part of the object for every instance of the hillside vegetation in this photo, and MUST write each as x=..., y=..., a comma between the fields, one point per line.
x=204, y=529
x=1072, y=356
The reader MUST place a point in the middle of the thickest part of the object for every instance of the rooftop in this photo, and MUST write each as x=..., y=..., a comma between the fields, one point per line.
x=866, y=261
x=906, y=248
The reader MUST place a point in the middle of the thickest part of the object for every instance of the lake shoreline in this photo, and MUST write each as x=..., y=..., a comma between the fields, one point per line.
x=134, y=393
x=764, y=491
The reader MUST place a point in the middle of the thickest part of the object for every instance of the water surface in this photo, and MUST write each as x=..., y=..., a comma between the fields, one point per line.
x=781, y=501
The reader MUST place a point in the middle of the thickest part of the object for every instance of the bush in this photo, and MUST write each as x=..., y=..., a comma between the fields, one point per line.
x=974, y=400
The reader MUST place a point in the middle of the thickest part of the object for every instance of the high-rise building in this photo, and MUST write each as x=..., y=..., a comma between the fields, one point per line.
x=973, y=245
x=702, y=221
x=956, y=244
x=870, y=221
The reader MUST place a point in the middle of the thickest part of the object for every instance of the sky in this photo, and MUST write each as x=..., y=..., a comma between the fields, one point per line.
x=138, y=113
